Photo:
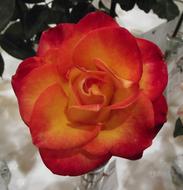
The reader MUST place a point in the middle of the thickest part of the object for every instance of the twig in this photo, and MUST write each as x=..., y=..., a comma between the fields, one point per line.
x=113, y=7
x=178, y=26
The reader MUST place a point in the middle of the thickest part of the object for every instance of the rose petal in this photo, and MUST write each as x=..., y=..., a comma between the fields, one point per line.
x=32, y=85
x=155, y=76
x=124, y=97
x=95, y=20
x=56, y=44
x=115, y=47
x=55, y=37
x=160, y=112
x=49, y=125
x=91, y=87
x=128, y=132
x=86, y=114
x=23, y=70
x=72, y=163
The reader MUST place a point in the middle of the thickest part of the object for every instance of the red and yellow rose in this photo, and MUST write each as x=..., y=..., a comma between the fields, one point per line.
x=92, y=91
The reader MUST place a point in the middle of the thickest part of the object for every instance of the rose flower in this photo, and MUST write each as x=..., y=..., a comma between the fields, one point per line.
x=92, y=91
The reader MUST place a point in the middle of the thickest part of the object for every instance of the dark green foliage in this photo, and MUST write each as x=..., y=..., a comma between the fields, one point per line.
x=36, y=20
x=178, y=128
x=6, y=12
x=12, y=41
x=166, y=9
x=31, y=17
x=126, y=5
x=146, y=5
x=33, y=1
x=80, y=10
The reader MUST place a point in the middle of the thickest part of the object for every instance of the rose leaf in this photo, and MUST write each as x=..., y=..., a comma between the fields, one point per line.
x=178, y=128
x=126, y=5
x=166, y=9
x=6, y=12
x=145, y=5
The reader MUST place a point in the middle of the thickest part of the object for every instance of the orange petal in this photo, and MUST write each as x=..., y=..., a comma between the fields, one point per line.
x=72, y=163
x=91, y=87
x=32, y=85
x=128, y=132
x=49, y=125
x=123, y=97
x=155, y=76
x=86, y=114
x=124, y=92
x=115, y=47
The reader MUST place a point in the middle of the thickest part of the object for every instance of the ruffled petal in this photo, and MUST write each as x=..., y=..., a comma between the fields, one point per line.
x=72, y=163
x=49, y=125
x=155, y=76
x=128, y=132
x=115, y=47
x=91, y=87
x=28, y=85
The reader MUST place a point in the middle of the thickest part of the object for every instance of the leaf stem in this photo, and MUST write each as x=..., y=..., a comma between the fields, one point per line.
x=113, y=7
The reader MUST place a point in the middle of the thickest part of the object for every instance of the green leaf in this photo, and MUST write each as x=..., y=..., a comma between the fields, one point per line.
x=79, y=1
x=36, y=20
x=20, y=11
x=56, y=17
x=178, y=128
x=80, y=10
x=15, y=30
x=126, y=5
x=6, y=12
x=34, y=1
x=13, y=42
x=166, y=9
x=1, y=65
x=61, y=4
x=17, y=48
x=146, y=5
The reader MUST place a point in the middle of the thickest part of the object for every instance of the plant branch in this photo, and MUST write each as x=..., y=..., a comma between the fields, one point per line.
x=113, y=7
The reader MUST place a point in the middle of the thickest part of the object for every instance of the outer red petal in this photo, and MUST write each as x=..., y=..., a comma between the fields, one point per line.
x=95, y=20
x=57, y=44
x=155, y=76
x=23, y=70
x=49, y=125
x=115, y=47
x=128, y=132
x=56, y=36
x=160, y=112
x=29, y=82
x=72, y=163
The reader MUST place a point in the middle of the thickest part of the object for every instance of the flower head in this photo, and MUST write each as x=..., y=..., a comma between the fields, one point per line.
x=92, y=91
